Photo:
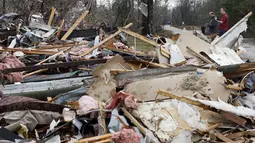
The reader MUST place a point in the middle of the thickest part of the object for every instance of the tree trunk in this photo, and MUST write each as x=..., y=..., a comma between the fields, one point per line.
x=4, y=7
x=147, y=21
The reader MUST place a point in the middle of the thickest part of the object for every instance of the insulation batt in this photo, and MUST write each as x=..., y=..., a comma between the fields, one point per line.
x=86, y=103
x=126, y=136
x=11, y=62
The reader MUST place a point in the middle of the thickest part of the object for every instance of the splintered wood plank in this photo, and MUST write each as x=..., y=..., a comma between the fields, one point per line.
x=222, y=137
x=29, y=52
x=78, y=21
x=105, y=40
x=51, y=16
x=60, y=28
x=233, y=118
x=95, y=139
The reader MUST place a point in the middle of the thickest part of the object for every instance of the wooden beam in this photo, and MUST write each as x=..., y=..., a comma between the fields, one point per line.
x=136, y=35
x=105, y=141
x=105, y=40
x=134, y=121
x=43, y=61
x=233, y=118
x=241, y=134
x=95, y=139
x=165, y=53
x=51, y=16
x=60, y=28
x=200, y=56
x=155, y=65
x=28, y=52
x=222, y=137
x=118, y=71
x=59, y=46
x=77, y=22
x=55, y=65
x=33, y=73
x=183, y=99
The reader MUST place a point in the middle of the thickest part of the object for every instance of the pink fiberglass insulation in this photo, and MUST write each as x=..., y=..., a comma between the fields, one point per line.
x=126, y=136
x=86, y=103
x=11, y=61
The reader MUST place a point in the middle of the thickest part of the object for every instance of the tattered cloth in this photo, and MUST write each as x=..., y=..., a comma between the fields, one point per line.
x=27, y=111
x=11, y=62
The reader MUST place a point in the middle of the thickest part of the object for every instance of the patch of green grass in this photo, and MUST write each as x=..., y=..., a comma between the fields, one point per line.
x=140, y=45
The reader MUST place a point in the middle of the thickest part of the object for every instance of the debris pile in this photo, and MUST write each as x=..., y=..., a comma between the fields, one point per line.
x=60, y=88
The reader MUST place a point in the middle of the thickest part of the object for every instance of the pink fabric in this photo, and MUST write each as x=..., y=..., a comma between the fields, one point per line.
x=129, y=100
x=119, y=45
x=126, y=136
x=78, y=50
x=11, y=62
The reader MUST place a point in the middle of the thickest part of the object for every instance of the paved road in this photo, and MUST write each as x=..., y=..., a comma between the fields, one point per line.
x=249, y=45
x=173, y=29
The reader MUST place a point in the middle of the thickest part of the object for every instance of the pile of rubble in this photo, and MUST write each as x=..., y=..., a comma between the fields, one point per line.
x=58, y=88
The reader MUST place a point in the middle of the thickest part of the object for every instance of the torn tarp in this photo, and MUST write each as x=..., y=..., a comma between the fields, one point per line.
x=28, y=111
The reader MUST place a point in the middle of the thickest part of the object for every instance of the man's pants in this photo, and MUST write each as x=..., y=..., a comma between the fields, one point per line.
x=222, y=32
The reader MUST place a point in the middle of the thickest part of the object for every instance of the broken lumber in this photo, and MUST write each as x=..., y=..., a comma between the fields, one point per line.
x=241, y=134
x=78, y=21
x=102, y=117
x=33, y=73
x=165, y=52
x=235, y=71
x=136, y=35
x=28, y=51
x=60, y=46
x=183, y=99
x=60, y=28
x=105, y=40
x=43, y=61
x=118, y=71
x=200, y=56
x=95, y=139
x=222, y=137
x=154, y=65
x=55, y=65
x=51, y=16
x=134, y=121
x=233, y=118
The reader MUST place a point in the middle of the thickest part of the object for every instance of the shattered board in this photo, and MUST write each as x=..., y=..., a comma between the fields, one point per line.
x=209, y=84
x=225, y=56
x=169, y=118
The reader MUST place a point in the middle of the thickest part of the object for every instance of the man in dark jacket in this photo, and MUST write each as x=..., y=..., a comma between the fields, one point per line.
x=212, y=26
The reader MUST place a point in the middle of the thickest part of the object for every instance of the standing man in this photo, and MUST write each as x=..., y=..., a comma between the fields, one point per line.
x=223, y=27
x=212, y=26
